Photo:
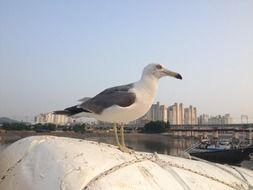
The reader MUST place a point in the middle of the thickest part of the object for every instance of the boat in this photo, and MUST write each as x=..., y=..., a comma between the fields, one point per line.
x=221, y=151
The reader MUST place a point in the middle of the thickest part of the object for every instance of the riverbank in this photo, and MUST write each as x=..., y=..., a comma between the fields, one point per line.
x=11, y=136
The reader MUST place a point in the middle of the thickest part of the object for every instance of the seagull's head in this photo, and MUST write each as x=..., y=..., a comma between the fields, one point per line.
x=158, y=71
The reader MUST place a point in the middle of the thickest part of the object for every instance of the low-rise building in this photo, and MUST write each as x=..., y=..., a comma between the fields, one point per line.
x=53, y=118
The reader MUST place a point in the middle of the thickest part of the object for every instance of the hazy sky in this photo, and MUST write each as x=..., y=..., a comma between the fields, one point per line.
x=53, y=53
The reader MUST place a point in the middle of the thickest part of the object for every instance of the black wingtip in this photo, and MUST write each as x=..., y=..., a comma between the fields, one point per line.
x=178, y=76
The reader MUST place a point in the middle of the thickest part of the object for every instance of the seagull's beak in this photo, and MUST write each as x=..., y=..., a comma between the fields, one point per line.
x=172, y=74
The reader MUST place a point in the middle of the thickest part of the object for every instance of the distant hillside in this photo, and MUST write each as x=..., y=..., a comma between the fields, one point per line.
x=8, y=120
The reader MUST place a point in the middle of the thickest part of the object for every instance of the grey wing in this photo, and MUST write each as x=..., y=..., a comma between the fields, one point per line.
x=119, y=95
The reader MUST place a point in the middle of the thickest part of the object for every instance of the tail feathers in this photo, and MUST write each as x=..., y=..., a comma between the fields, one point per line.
x=70, y=111
x=62, y=112
x=85, y=99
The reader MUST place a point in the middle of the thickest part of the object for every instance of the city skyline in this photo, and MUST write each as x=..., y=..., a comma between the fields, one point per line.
x=178, y=114
x=242, y=117
x=54, y=53
x=175, y=114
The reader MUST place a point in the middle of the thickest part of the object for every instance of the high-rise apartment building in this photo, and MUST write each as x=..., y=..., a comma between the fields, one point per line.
x=181, y=114
x=194, y=116
x=220, y=120
x=187, y=116
x=163, y=113
x=157, y=112
x=190, y=116
x=170, y=114
x=176, y=114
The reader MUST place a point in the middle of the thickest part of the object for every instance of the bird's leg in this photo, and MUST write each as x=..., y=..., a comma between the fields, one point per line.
x=116, y=135
x=122, y=135
x=123, y=147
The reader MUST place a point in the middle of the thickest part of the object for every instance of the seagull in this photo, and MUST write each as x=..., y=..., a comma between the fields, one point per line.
x=122, y=104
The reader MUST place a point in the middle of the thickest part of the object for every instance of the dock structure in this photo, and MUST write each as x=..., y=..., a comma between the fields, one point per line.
x=47, y=162
x=238, y=131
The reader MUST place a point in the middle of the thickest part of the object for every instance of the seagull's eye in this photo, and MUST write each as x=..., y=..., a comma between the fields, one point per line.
x=159, y=66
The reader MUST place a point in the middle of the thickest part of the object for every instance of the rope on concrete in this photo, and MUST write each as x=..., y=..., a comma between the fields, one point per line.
x=234, y=186
x=162, y=163
x=243, y=179
x=111, y=170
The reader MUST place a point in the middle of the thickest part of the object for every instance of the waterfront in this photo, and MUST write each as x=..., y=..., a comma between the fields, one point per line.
x=162, y=144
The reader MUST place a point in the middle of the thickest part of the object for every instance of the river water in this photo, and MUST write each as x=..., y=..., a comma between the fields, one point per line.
x=150, y=143
x=162, y=144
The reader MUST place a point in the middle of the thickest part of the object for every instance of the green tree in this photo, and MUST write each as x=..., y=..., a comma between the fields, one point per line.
x=16, y=126
x=156, y=127
x=80, y=128
x=44, y=127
